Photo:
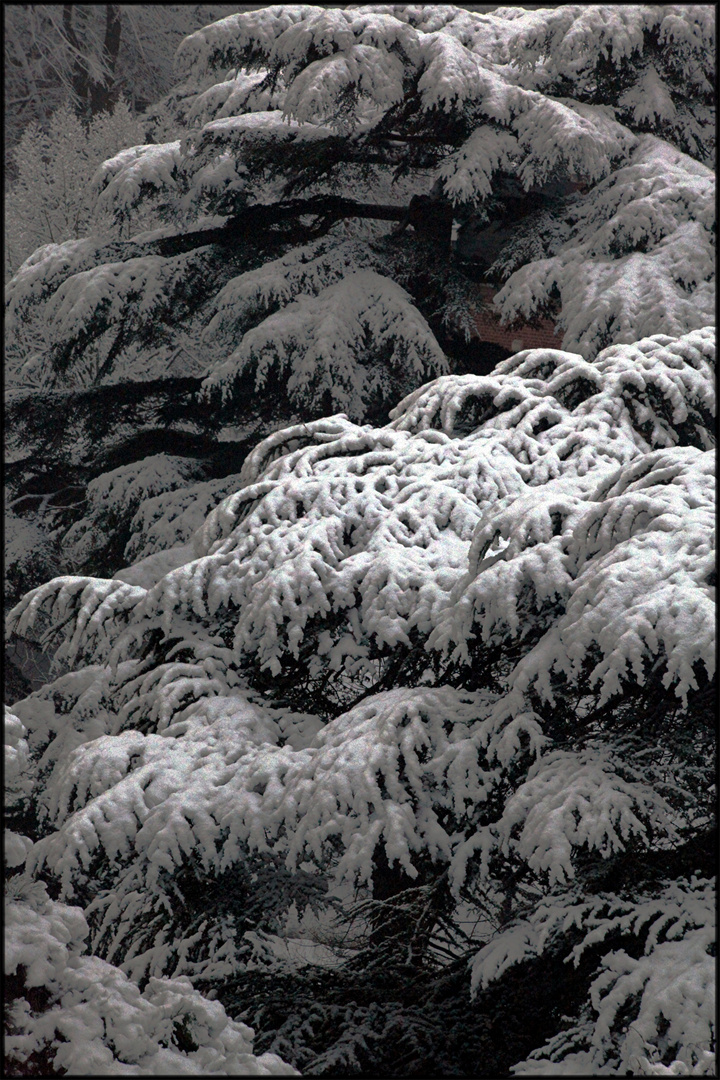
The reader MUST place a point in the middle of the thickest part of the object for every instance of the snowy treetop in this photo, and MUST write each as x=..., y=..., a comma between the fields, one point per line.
x=360, y=51
x=320, y=100
x=318, y=53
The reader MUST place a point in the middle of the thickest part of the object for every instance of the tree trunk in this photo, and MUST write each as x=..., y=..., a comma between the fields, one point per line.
x=405, y=911
x=432, y=220
x=79, y=79
x=102, y=95
x=94, y=97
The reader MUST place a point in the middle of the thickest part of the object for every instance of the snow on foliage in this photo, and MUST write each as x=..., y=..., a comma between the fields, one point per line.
x=169, y=520
x=319, y=101
x=52, y=197
x=460, y=659
x=18, y=779
x=399, y=523
x=121, y=179
x=657, y=47
x=640, y=258
x=318, y=346
x=671, y=984
x=306, y=271
x=345, y=784
x=42, y=273
x=29, y=552
x=553, y=487
x=456, y=56
x=599, y=563
x=239, y=93
x=573, y=800
x=113, y=498
x=97, y=1019
x=89, y=1016
x=361, y=76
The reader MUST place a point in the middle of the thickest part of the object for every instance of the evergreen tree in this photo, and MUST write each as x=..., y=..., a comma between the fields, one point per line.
x=50, y=202
x=393, y=739
x=301, y=258
x=85, y=56
x=332, y=122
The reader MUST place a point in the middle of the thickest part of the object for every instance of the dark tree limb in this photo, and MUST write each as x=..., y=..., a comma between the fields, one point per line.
x=111, y=45
x=282, y=222
x=79, y=77
x=262, y=224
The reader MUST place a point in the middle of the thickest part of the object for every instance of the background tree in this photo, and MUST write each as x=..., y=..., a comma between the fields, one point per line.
x=85, y=56
x=424, y=702
x=50, y=201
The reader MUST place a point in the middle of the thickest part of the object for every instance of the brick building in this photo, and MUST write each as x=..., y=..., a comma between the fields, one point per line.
x=480, y=244
x=539, y=333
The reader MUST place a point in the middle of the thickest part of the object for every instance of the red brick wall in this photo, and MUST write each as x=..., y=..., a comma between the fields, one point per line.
x=516, y=337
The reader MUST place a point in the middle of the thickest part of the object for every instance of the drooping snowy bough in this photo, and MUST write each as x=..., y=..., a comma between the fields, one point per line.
x=465, y=659
x=306, y=228
x=70, y=1013
x=310, y=144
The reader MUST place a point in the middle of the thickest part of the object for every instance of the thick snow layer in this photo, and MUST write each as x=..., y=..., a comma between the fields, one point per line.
x=318, y=345
x=97, y=1021
x=405, y=517
x=557, y=513
x=552, y=478
x=640, y=258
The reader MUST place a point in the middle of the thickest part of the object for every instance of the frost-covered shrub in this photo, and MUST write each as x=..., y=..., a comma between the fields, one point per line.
x=50, y=200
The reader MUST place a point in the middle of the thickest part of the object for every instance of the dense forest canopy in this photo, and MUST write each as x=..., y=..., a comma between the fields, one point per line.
x=380, y=714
